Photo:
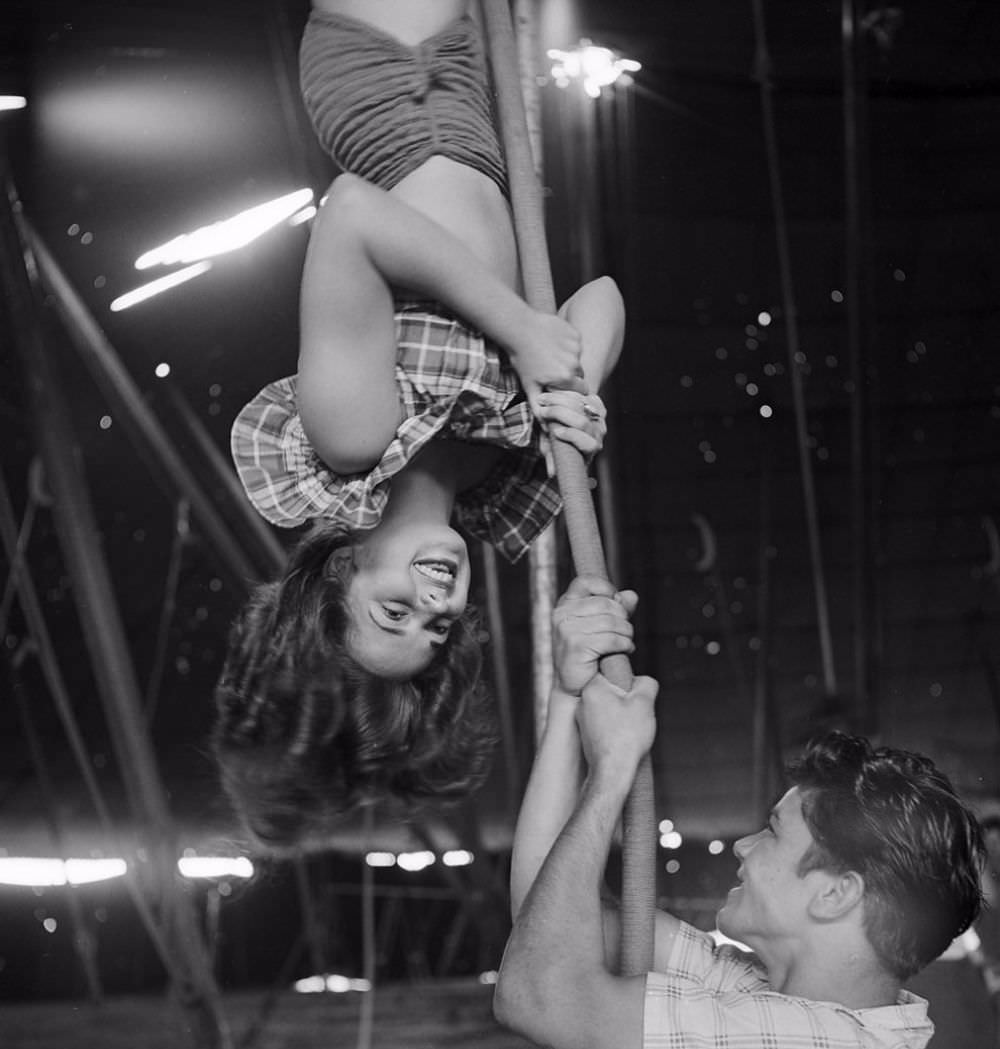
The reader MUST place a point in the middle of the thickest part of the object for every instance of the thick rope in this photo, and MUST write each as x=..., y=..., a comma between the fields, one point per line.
x=639, y=844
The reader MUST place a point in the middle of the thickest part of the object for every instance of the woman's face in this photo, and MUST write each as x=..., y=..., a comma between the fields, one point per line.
x=407, y=587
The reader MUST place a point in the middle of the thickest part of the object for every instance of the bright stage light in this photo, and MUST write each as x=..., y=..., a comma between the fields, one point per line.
x=215, y=867
x=12, y=102
x=228, y=234
x=457, y=858
x=331, y=982
x=157, y=287
x=596, y=67
x=47, y=871
x=415, y=861
x=380, y=859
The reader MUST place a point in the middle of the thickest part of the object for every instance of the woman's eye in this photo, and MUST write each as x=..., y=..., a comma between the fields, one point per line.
x=395, y=614
x=441, y=628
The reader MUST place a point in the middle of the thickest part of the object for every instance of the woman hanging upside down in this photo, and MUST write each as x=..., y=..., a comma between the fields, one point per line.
x=421, y=375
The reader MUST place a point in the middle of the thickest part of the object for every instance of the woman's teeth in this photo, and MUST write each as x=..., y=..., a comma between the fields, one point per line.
x=436, y=570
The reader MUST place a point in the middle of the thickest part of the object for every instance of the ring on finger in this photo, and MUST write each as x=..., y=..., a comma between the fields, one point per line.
x=590, y=411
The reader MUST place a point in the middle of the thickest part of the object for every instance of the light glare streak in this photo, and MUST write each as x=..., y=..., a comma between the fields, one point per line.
x=158, y=286
x=226, y=235
x=43, y=871
x=330, y=982
x=215, y=867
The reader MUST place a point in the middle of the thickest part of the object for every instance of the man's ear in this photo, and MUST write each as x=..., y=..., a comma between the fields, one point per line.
x=836, y=895
x=340, y=564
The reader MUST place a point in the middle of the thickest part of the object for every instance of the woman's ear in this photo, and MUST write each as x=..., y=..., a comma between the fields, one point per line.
x=340, y=564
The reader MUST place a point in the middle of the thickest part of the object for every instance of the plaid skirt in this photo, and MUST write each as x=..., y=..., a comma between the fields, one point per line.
x=453, y=384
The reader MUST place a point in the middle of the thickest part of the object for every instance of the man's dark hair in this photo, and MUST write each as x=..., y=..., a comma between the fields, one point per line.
x=896, y=820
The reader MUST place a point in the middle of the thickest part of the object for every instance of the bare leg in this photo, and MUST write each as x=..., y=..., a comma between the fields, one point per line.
x=347, y=393
x=364, y=244
x=598, y=313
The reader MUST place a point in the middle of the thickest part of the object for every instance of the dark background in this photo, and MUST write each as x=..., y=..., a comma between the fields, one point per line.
x=149, y=119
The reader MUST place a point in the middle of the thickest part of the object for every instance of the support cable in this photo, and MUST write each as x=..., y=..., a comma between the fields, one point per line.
x=639, y=845
x=84, y=941
x=762, y=68
x=17, y=558
x=501, y=680
x=271, y=554
x=38, y=631
x=76, y=527
x=367, y=1018
x=110, y=374
x=168, y=607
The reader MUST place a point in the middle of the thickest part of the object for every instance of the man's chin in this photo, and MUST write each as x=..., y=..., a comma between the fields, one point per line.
x=725, y=920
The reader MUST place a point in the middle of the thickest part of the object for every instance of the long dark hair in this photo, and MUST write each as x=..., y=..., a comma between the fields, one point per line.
x=304, y=734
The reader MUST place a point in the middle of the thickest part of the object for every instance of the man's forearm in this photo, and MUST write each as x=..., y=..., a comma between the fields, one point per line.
x=552, y=791
x=554, y=962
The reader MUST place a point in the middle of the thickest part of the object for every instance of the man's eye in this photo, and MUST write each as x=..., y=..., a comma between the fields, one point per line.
x=441, y=627
x=395, y=614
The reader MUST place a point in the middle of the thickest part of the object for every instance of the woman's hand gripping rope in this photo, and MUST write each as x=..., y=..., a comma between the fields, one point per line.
x=579, y=419
x=546, y=355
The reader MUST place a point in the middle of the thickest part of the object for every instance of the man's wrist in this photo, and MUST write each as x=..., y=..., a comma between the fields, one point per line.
x=562, y=695
x=612, y=779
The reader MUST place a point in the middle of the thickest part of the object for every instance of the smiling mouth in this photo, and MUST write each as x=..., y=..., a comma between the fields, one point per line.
x=440, y=572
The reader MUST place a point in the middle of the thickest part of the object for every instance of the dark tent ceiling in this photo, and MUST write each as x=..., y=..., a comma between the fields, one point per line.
x=149, y=119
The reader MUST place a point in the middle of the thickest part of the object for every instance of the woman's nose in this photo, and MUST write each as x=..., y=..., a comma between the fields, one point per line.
x=433, y=597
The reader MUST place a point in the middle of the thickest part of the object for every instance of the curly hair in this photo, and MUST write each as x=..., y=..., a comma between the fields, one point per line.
x=305, y=735
x=895, y=819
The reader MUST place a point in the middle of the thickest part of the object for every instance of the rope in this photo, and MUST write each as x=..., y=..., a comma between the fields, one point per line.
x=638, y=845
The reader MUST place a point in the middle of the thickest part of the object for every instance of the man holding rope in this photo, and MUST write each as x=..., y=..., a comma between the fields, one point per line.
x=867, y=869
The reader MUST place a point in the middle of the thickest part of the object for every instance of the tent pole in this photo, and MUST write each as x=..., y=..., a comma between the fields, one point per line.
x=109, y=373
x=77, y=531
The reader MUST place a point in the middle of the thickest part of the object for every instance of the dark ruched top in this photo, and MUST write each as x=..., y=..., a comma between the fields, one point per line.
x=381, y=107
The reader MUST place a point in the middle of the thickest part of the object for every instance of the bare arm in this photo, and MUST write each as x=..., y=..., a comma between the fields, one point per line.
x=589, y=622
x=555, y=986
x=597, y=311
x=365, y=243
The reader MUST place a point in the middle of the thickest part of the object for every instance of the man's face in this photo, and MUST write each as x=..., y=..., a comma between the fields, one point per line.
x=769, y=905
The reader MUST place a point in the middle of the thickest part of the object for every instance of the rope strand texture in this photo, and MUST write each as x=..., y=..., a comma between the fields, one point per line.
x=639, y=844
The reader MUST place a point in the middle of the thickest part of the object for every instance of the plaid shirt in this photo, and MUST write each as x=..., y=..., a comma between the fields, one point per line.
x=452, y=383
x=718, y=998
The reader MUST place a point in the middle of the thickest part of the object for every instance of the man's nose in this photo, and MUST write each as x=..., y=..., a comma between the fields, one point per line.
x=742, y=845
